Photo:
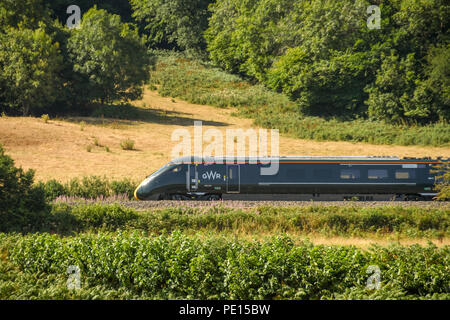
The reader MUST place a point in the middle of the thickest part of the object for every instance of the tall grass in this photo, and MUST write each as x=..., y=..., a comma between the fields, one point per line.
x=200, y=82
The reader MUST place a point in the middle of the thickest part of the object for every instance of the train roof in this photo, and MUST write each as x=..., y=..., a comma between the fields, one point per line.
x=196, y=159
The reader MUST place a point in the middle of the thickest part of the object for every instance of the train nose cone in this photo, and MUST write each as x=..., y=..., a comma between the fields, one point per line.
x=137, y=194
x=144, y=190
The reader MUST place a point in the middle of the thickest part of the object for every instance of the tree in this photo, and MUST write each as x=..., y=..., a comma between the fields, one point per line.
x=110, y=56
x=442, y=184
x=29, y=13
x=29, y=69
x=173, y=23
x=323, y=55
x=438, y=81
x=119, y=7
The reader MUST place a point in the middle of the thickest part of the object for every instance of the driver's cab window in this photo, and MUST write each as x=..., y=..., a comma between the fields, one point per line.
x=177, y=169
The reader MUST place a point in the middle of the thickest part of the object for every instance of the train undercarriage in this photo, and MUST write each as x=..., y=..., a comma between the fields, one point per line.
x=290, y=197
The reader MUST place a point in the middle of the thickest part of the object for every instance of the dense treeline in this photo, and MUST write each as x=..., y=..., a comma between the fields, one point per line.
x=322, y=54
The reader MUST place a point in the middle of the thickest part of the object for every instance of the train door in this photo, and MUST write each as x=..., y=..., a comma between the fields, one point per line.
x=192, y=178
x=233, y=178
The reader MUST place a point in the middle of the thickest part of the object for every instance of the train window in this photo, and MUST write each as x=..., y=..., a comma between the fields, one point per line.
x=404, y=174
x=350, y=174
x=377, y=174
x=176, y=169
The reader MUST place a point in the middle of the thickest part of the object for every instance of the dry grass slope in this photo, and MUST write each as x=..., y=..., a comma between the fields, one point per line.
x=57, y=149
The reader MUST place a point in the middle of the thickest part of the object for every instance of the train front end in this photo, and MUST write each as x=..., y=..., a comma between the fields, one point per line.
x=170, y=178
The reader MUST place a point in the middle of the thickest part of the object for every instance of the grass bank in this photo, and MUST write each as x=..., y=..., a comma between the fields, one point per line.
x=198, y=82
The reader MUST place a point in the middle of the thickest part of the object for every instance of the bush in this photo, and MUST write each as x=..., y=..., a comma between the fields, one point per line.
x=89, y=187
x=45, y=118
x=21, y=203
x=53, y=189
x=124, y=186
x=443, y=180
x=127, y=144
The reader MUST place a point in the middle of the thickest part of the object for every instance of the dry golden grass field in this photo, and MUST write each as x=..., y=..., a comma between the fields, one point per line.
x=58, y=149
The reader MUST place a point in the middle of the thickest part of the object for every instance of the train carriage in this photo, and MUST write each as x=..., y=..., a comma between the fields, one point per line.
x=210, y=178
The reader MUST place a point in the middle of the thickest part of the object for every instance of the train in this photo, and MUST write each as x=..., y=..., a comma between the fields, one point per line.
x=210, y=178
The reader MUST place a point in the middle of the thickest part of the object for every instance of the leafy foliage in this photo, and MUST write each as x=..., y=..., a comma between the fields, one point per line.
x=385, y=222
x=30, y=65
x=110, y=55
x=89, y=187
x=443, y=180
x=21, y=203
x=323, y=55
x=29, y=14
x=169, y=266
x=118, y=7
x=47, y=68
x=173, y=23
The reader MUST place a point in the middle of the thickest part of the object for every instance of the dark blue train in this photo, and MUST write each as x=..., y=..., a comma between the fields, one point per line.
x=209, y=178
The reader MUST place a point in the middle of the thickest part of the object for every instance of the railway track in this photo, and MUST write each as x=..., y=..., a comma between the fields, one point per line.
x=145, y=205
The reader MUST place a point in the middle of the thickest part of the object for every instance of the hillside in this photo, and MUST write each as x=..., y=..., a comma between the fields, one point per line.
x=58, y=149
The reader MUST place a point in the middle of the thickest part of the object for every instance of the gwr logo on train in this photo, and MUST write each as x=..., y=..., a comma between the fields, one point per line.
x=211, y=175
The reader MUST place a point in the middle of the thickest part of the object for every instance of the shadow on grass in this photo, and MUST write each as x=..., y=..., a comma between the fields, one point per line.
x=128, y=114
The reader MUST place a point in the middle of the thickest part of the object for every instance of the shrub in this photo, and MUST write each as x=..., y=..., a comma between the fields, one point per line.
x=96, y=142
x=45, y=118
x=124, y=186
x=21, y=202
x=127, y=144
x=53, y=189
x=88, y=187
x=443, y=180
